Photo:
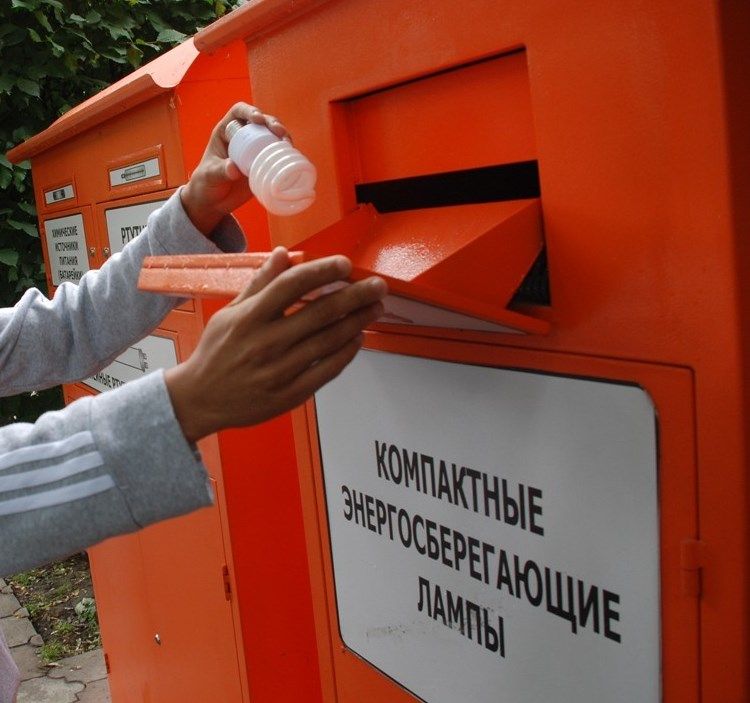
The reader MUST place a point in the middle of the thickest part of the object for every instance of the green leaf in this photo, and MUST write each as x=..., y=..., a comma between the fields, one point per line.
x=35, y=36
x=76, y=18
x=28, y=87
x=116, y=54
x=28, y=208
x=15, y=37
x=119, y=33
x=135, y=56
x=93, y=17
x=6, y=82
x=26, y=227
x=25, y=4
x=168, y=36
x=157, y=22
x=57, y=50
x=21, y=133
x=42, y=19
x=71, y=62
x=24, y=284
x=54, y=3
x=9, y=257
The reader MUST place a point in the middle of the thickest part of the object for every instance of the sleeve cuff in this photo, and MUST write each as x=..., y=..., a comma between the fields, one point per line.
x=157, y=472
x=173, y=232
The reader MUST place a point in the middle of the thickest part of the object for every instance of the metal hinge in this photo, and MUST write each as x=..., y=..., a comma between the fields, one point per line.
x=692, y=562
x=227, y=582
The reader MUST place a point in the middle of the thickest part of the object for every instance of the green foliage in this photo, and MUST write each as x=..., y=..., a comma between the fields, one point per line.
x=51, y=652
x=53, y=55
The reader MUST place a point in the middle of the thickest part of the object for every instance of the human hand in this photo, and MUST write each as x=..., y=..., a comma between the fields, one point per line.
x=217, y=187
x=253, y=362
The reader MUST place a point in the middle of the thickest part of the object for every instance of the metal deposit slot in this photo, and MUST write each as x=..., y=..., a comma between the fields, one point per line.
x=517, y=181
x=436, y=182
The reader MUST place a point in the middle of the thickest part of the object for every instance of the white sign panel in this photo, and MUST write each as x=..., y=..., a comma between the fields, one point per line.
x=134, y=172
x=142, y=358
x=125, y=223
x=494, y=533
x=59, y=195
x=66, y=246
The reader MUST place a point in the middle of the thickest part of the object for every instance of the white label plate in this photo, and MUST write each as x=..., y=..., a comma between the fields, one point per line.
x=66, y=246
x=59, y=195
x=134, y=172
x=125, y=223
x=142, y=358
x=590, y=448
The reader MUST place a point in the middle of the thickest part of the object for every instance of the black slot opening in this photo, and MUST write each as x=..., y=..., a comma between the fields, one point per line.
x=516, y=181
x=534, y=289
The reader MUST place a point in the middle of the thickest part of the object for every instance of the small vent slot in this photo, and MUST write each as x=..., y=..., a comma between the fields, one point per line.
x=516, y=181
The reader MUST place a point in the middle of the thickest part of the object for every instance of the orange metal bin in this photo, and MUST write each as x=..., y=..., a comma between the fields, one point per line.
x=621, y=430
x=605, y=555
x=170, y=598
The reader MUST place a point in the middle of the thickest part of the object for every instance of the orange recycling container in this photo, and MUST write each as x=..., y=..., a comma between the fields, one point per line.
x=532, y=484
x=183, y=605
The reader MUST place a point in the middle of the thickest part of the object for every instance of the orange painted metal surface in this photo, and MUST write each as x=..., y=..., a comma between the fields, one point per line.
x=206, y=276
x=423, y=126
x=423, y=255
x=446, y=252
x=636, y=114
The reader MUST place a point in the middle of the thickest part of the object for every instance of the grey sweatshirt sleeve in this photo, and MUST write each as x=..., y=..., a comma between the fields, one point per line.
x=103, y=466
x=84, y=327
x=114, y=462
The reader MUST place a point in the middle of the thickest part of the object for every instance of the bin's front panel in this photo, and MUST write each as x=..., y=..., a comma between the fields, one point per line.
x=629, y=104
x=498, y=528
x=163, y=600
x=195, y=654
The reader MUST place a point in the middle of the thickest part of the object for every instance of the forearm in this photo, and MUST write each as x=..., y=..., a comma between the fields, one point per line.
x=44, y=342
x=105, y=465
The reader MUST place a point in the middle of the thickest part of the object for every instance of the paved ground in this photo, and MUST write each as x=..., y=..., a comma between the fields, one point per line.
x=79, y=679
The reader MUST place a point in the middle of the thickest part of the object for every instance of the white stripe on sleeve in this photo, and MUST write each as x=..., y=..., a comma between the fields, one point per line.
x=50, y=474
x=57, y=496
x=42, y=452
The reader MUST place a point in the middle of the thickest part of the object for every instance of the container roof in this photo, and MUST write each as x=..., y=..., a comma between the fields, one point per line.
x=162, y=74
x=253, y=17
x=158, y=76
